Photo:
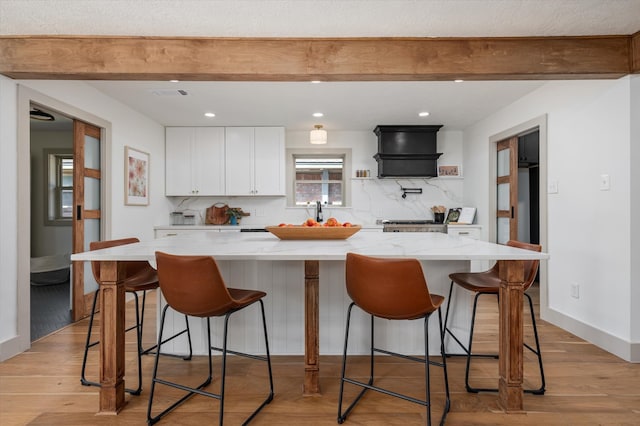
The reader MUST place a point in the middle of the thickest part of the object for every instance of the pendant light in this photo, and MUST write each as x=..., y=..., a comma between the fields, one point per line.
x=318, y=136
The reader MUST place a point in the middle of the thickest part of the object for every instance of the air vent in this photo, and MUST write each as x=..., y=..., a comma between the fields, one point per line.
x=169, y=92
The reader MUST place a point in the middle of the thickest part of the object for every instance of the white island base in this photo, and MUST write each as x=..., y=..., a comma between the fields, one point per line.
x=285, y=313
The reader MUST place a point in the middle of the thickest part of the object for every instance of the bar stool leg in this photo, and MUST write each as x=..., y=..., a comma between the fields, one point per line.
x=88, y=344
x=443, y=354
x=427, y=370
x=470, y=353
x=537, y=351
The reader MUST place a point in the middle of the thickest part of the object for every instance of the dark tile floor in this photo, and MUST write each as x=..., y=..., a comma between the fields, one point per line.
x=50, y=308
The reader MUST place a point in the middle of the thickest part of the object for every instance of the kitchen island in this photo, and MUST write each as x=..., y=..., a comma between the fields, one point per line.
x=264, y=247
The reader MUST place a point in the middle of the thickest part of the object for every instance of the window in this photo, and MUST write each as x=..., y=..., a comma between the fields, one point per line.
x=59, y=196
x=318, y=176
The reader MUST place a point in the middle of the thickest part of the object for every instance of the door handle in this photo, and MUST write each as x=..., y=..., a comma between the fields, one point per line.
x=512, y=212
x=78, y=212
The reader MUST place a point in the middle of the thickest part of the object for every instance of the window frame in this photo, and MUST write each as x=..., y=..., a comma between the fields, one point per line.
x=54, y=188
x=292, y=153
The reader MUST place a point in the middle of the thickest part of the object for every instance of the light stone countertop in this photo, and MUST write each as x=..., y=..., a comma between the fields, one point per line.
x=265, y=246
x=232, y=227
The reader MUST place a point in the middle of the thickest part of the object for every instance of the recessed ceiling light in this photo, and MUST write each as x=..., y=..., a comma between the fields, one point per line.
x=209, y=114
x=318, y=114
x=174, y=81
x=315, y=81
x=423, y=114
x=458, y=80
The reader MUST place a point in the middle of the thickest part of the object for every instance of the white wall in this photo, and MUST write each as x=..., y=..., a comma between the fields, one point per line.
x=371, y=199
x=634, y=159
x=589, y=238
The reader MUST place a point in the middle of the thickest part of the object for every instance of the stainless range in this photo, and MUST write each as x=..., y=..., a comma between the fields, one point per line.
x=413, y=226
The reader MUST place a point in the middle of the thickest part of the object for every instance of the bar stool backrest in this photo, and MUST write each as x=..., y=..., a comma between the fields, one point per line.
x=193, y=285
x=131, y=267
x=388, y=288
x=530, y=266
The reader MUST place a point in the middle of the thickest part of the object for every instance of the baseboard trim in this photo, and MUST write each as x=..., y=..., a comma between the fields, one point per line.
x=13, y=346
x=623, y=349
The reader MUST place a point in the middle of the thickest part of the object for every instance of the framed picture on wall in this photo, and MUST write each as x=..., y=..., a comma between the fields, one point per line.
x=449, y=171
x=136, y=177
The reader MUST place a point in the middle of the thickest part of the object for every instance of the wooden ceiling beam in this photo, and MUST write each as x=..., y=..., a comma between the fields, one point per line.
x=330, y=59
x=635, y=53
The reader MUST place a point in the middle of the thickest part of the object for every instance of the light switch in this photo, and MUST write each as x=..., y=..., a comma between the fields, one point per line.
x=605, y=184
x=552, y=187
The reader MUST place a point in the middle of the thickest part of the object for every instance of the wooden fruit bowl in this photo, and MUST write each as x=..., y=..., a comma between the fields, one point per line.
x=299, y=232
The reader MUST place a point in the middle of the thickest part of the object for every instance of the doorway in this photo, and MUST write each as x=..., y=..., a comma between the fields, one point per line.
x=51, y=171
x=518, y=188
x=82, y=297
x=528, y=173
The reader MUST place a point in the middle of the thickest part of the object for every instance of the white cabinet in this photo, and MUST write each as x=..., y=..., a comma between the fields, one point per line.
x=194, y=161
x=468, y=231
x=254, y=161
x=474, y=232
x=186, y=230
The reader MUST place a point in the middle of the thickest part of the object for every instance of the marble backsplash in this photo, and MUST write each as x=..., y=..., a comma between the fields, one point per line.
x=371, y=199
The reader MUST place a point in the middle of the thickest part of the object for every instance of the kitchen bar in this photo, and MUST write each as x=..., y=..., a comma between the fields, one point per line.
x=266, y=247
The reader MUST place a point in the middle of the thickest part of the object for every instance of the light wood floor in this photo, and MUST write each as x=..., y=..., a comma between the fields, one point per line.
x=585, y=386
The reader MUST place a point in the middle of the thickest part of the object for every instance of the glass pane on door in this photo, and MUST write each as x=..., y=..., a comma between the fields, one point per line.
x=91, y=233
x=91, y=193
x=503, y=230
x=503, y=162
x=504, y=200
x=91, y=152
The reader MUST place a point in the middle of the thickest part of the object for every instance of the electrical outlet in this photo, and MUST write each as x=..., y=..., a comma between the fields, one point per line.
x=575, y=291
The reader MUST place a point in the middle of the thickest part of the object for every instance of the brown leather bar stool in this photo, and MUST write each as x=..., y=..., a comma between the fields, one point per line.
x=488, y=282
x=392, y=289
x=139, y=276
x=193, y=285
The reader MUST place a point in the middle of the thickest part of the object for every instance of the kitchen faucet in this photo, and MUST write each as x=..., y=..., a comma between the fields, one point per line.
x=319, y=212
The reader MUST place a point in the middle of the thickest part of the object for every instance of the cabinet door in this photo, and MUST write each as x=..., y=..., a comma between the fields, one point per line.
x=269, y=161
x=178, y=142
x=239, y=160
x=207, y=161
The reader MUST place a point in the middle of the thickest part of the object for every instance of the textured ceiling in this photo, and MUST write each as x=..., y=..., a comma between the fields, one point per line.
x=321, y=18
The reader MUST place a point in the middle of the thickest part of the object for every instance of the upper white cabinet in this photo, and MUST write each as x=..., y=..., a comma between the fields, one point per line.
x=254, y=161
x=194, y=161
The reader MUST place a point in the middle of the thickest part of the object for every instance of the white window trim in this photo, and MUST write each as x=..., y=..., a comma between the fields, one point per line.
x=55, y=221
x=290, y=171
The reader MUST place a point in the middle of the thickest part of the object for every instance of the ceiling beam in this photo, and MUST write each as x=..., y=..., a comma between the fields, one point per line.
x=331, y=59
x=635, y=53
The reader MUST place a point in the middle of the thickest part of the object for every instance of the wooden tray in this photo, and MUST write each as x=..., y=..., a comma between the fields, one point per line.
x=298, y=232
